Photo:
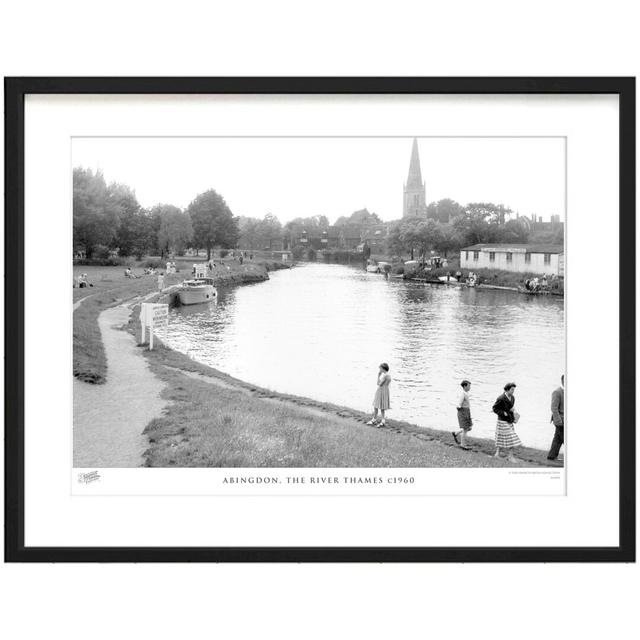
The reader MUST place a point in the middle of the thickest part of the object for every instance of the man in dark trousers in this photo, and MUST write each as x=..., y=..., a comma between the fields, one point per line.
x=557, y=417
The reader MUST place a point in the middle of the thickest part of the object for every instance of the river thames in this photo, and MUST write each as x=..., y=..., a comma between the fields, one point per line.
x=321, y=330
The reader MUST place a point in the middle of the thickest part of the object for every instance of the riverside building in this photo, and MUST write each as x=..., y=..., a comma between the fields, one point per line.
x=519, y=258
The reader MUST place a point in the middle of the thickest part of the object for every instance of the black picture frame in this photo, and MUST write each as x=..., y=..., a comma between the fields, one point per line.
x=15, y=91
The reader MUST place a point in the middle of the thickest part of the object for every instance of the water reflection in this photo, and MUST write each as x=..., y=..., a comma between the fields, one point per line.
x=321, y=330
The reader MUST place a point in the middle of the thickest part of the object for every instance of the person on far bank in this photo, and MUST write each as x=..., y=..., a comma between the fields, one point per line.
x=382, y=399
x=160, y=281
x=506, y=436
x=463, y=407
x=557, y=417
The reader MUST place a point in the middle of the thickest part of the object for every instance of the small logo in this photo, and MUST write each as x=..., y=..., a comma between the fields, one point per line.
x=86, y=478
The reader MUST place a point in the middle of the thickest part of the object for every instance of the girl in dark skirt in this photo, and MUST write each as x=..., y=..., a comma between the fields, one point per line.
x=382, y=399
x=506, y=436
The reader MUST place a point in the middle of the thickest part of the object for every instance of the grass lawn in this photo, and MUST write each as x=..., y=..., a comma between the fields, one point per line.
x=110, y=287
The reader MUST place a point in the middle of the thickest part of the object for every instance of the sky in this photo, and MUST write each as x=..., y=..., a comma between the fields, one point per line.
x=301, y=177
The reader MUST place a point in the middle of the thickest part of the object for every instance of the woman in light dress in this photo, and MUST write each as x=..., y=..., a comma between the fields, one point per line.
x=506, y=436
x=382, y=400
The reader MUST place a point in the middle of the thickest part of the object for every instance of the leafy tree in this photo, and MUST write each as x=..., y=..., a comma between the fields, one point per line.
x=130, y=235
x=256, y=233
x=448, y=239
x=516, y=232
x=212, y=221
x=267, y=229
x=410, y=235
x=249, y=234
x=481, y=222
x=444, y=210
x=395, y=241
x=423, y=235
x=558, y=235
x=550, y=236
x=428, y=235
x=362, y=216
x=95, y=214
x=175, y=231
x=311, y=224
x=489, y=212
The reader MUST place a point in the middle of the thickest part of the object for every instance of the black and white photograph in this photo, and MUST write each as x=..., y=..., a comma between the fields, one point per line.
x=320, y=320
x=302, y=319
x=334, y=302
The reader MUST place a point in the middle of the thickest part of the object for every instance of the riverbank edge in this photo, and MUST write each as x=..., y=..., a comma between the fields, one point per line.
x=513, y=285
x=504, y=281
x=166, y=357
x=89, y=358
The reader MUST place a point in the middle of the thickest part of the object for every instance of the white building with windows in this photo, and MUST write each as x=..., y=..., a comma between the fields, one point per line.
x=519, y=258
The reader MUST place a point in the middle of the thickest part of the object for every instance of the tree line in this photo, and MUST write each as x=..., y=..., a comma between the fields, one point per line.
x=108, y=218
x=450, y=226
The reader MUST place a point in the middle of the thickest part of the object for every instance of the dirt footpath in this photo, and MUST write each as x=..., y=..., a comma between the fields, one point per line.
x=108, y=419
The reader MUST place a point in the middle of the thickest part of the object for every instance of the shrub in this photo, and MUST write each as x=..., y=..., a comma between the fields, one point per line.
x=110, y=261
x=100, y=252
x=298, y=253
x=154, y=263
x=398, y=269
x=224, y=253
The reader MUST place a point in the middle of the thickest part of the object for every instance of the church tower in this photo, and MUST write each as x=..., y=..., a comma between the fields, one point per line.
x=415, y=200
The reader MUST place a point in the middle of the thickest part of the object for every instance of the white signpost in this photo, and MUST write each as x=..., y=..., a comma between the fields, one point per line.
x=153, y=315
x=200, y=270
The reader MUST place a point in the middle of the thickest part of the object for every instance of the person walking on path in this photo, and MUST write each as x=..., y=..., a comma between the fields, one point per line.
x=463, y=406
x=382, y=400
x=506, y=436
x=557, y=417
x=160, y=281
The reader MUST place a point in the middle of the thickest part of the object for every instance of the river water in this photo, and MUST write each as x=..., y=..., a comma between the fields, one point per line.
x=321, y=330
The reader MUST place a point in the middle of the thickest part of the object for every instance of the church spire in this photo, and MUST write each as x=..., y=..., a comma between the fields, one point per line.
x=415, y=198
x=414, y=181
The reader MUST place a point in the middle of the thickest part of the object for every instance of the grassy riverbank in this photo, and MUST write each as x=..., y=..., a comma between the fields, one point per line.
x=489, y=277
x=494, y=278
x=216, y=420
x=213, y=419
x=110, y=287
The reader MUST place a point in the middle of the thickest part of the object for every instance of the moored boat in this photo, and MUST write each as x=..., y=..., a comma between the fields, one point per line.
x=534, y=292
x=197, y=291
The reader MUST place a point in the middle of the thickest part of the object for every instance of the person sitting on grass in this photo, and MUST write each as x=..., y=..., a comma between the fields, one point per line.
x=465, y=422
x=382, y=399
x=83, y=281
